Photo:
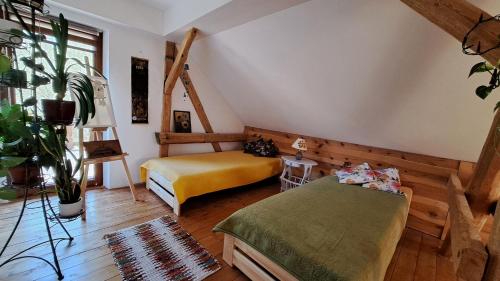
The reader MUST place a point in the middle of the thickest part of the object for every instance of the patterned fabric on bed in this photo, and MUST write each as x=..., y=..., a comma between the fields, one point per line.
x=356, y=175
x=387, y=180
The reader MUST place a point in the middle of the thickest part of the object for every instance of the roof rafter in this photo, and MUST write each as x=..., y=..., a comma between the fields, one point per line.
x=457, y=17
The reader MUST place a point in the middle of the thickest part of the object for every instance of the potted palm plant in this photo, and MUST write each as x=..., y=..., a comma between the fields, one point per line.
x=58, y=111
x=53, y=141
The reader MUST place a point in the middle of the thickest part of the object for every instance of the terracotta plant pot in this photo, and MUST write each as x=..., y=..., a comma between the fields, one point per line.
x=70, y=210
x=59, y=112
x=18, y=174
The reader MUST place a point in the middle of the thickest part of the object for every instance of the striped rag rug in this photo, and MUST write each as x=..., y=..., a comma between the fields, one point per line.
x=160, y=250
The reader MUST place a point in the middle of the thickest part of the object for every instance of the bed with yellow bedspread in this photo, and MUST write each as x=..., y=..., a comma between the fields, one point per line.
x=198, y=174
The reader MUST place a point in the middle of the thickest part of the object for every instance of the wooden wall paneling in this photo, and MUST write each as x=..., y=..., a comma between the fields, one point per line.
x=429, y=208
x=493, y=267
x=457, y=17
x=320, y=143
x=484, y=186
x=182, y=138
x=468, y=252
x=170, y=55
x=198, y=107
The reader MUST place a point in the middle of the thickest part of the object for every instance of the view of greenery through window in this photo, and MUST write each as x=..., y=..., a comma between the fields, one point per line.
x=75, y=50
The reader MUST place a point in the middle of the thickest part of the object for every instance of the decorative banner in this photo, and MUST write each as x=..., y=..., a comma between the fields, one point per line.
x=139, y=90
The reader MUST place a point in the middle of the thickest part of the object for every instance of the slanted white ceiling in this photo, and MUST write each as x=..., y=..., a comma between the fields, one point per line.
x=362, y=71
x=161, y=4
x=172, y=18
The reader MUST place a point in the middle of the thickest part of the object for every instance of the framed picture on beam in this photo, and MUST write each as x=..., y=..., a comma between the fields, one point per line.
x=139, y=90
x=182, y=121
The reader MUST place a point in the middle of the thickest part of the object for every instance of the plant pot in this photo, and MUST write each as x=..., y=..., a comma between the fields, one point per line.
x=59, y=112
x=19, y=174
x=70, y=210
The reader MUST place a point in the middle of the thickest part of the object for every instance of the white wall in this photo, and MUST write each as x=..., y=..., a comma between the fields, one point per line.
x=361, y=71
x=120, y=44
x=126, y=12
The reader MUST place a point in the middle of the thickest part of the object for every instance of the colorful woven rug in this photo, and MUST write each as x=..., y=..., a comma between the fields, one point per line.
x=160, y=250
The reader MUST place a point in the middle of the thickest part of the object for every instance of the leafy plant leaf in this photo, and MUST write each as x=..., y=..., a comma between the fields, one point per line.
x=7, y=193
x=497, y=106
x=481, y=67
x=29, y=101
x=37, y=80
x=11, y=161
x=4, y=63
x=31, y=64
x=483, y=91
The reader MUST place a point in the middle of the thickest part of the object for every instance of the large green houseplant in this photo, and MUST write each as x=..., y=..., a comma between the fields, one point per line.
x=59, y=112
x=17, y=144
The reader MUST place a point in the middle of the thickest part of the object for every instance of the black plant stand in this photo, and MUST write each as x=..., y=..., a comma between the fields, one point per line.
x=49, y=217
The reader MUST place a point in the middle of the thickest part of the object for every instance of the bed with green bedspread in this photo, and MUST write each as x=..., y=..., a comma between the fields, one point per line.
x=324, y=230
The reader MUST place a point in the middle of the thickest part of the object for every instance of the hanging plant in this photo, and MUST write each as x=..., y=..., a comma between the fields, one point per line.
x=475, y=49
x=484, y=91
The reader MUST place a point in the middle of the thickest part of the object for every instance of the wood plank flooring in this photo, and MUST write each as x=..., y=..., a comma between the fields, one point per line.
x=88, y=258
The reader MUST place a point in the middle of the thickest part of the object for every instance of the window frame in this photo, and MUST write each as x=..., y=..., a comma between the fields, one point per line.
x=78, y=33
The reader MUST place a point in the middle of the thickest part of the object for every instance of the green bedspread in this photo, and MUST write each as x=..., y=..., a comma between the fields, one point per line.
x=324, y=230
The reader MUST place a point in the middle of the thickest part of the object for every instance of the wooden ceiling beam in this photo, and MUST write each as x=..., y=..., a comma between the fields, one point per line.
x=182, y=138
x=170, y=55
x=180, y=60
x=198, y=107
x=174, y=70
x=457, y=17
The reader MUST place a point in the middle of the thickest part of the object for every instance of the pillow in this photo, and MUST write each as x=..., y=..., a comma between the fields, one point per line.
x=261, y=148
x=389, y=174
x=387, y=180
x=356, y=175
x=387, y=186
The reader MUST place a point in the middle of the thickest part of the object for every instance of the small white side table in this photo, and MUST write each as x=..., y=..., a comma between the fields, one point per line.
x=288, y=180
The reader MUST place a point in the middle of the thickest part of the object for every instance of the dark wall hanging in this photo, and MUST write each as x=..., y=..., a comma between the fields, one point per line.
x=182, y=121
x=139, y=90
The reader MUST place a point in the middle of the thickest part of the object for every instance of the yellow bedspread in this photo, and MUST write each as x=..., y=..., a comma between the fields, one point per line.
x=197, y=174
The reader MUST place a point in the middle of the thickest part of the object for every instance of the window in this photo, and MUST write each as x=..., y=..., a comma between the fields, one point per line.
x=85, y=43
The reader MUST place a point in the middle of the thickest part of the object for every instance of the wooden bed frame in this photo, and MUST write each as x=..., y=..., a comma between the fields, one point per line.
x=254, y=264
x=164, y=189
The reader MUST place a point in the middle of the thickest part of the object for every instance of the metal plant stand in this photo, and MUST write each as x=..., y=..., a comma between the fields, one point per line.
x=50, y=216
x=51, y=219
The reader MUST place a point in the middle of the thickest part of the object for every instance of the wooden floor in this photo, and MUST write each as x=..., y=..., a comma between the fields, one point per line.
x=88, y=258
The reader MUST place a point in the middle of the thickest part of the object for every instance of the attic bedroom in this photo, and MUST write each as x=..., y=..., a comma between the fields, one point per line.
x=250, y=140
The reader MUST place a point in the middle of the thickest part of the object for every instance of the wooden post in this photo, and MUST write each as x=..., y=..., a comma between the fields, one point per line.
x=174, y=73
x=484, y=187
x=200, y=111
x=457, y=17
x=468, y=253
x=493, y=268
x=170, y=54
